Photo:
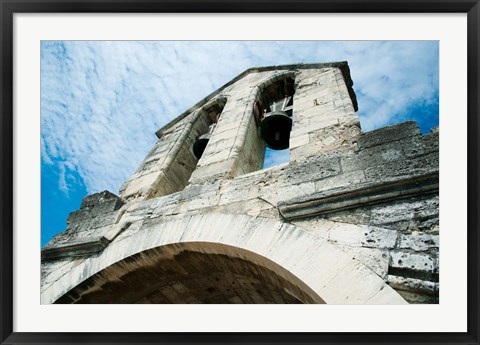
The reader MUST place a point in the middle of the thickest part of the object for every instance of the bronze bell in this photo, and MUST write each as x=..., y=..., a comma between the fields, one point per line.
x=275, y=126
x=202, y=141
x=275, y=130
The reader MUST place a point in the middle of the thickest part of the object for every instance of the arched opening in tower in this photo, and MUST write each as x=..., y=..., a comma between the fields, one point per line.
x=205, y=125
x=189, y=273
x=273, y=111
x=184, y=161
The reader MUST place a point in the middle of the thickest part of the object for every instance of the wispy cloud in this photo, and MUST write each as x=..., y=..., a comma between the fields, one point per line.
x=273, y=157
x=103, y=101
x=62, y=182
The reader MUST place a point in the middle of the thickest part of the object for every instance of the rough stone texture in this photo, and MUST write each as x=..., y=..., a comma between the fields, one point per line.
x=352, y=218
x=89, y=229
x=351, y=196
x=271, y=246
x=326, y=119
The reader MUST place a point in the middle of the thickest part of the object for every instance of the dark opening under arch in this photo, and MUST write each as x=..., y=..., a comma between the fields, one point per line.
x=193, y=272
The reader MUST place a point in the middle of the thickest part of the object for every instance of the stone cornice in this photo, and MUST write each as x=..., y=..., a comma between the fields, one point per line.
x=76, y=248
x=352, y=196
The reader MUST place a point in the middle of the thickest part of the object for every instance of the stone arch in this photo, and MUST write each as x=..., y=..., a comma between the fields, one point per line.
x=258, y=89
x=329, y=272
x=219, y=101
x=274, y=78
x=192, y=272
x=204, y=123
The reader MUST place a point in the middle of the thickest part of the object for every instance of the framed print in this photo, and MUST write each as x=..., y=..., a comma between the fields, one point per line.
x=196, y=172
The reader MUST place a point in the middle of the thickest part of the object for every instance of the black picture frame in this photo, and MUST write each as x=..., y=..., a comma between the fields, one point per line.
x=9, y=8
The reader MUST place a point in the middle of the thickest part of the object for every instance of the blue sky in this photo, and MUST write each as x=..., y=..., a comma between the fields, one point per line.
x=102, y=101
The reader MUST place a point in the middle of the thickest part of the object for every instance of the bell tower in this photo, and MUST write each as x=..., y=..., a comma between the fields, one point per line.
x=352, y=218
x=309, y=109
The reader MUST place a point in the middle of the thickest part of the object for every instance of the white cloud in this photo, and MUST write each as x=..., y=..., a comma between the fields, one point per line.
x=62, y=180
x=103, y=101
x=273, y=158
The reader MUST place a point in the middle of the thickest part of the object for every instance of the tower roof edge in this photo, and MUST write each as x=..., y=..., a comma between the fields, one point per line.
x=342, y=65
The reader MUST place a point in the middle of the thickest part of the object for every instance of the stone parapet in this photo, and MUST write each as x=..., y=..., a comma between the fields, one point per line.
x=89, y=229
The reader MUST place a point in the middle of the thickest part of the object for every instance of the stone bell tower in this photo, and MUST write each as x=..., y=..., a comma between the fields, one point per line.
x=352, y=218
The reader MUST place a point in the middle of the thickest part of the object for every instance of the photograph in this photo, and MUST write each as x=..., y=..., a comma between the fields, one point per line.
x=198, y=172
x=243, y=172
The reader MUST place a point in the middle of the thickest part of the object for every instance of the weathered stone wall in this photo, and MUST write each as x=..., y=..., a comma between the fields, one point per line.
x=257, y=250
x=89, y=229
x=152, y=177
x=373, y=196
x=324, y=114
